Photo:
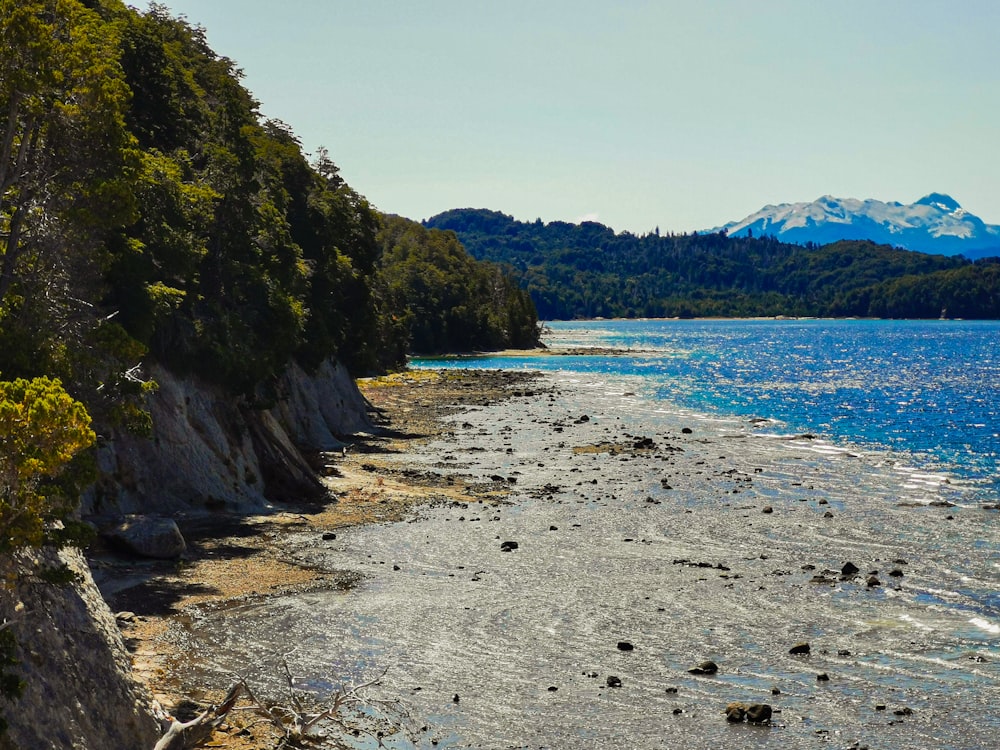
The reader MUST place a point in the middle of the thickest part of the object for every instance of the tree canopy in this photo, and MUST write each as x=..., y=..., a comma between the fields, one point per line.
x=147, y=210
x=447, y=300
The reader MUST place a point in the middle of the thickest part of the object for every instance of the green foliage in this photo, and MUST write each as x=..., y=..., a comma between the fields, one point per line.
x=42, y=428
x=245, y=254
x=66, y=162
x=586, y=271
x=448, y=300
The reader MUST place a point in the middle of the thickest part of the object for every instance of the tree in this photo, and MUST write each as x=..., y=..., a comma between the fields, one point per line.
x=41, y=429
x=65, y=161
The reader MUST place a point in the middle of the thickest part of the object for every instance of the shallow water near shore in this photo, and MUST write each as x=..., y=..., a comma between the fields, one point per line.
x=927, y=390
x=628, y=529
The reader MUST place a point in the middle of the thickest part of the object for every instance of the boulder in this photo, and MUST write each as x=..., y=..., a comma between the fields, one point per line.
x=800, y=648
x=736, y=712
x=759, y=713
x=706, y=667
x=148, y=536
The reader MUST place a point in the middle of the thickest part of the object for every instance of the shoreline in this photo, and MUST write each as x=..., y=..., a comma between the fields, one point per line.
x=237, y=560
x=686, y=536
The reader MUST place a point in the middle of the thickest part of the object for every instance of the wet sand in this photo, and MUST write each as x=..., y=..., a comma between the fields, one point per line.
x=689, y=539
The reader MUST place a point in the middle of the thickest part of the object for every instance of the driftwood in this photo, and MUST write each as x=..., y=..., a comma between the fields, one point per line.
x=191, y=734
x=299, y=721
x=296, y=721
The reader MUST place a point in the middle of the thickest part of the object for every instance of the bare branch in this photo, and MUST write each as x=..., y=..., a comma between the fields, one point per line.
x=191, y=734
x=297, y=724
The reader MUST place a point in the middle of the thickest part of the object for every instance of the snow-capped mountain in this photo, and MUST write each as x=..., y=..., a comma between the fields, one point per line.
x=934, y=224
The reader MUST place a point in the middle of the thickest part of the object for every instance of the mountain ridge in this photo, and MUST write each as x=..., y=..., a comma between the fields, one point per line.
x=935, y=224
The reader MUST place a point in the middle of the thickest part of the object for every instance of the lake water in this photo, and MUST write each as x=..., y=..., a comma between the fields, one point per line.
x=777, y=451
x=928, y=391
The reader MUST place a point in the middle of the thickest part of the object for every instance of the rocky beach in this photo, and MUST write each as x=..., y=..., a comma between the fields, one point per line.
x=555, y=562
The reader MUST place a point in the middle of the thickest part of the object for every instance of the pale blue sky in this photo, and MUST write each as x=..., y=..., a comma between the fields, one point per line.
x=682, y=115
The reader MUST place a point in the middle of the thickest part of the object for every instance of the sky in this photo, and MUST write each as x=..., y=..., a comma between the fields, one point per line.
x=680, y=115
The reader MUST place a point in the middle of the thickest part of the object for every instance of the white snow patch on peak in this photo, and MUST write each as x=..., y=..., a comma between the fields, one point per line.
x=935, y=221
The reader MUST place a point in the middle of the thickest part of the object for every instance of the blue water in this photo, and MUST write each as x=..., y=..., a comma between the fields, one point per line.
x=928, y=391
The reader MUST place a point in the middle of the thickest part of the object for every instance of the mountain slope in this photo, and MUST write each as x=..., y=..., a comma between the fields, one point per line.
x=934, y=224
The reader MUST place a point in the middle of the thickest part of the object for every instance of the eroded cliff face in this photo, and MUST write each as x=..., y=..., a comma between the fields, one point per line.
x=314, y=409
x=207, y=452
x=77, y=674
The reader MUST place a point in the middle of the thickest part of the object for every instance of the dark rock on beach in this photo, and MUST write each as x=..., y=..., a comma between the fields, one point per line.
x=800, y=648
x=736, y=712
x=755, y=713
x=508, y=546
x=706, y=667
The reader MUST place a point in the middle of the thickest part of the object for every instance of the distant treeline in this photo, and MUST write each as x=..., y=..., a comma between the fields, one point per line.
x=587, y=270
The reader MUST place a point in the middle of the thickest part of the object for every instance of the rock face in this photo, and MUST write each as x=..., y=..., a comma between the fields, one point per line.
x=210, y=451
x=79, y=691
x=314, y=409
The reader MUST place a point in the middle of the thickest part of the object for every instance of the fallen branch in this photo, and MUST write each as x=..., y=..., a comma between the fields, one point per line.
x=300, y=724
x=191, y=734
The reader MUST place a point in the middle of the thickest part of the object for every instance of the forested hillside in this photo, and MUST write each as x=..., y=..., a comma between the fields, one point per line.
x=587, y=270
x=146, y=208
x=152, y=221
x=451, y=302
